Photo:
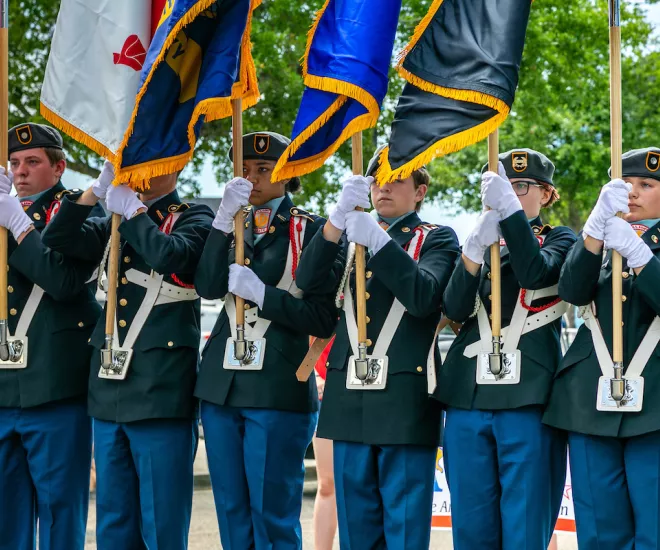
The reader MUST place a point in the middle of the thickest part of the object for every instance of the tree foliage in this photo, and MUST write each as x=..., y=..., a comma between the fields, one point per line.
x=561, y=108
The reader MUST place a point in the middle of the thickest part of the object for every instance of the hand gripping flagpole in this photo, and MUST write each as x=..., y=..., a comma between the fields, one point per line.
x=495, y=357
x=107, y=355
x=361, y=365
x=4, y=128
x=617, y=384
x=240, y=345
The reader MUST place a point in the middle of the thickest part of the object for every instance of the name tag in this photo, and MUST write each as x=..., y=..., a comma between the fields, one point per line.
x=632, y=398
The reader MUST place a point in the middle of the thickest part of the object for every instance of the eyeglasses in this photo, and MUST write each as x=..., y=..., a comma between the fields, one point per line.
x=521, y=188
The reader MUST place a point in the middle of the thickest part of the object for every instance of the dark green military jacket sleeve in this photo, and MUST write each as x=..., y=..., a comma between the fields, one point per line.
x=322, y=264
x=293, y=319
x=587, y=279
x=532, y=258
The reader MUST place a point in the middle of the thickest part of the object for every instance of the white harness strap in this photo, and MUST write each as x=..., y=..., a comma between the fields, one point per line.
x=28, y=312
x=521, y=322
x=258, y=331
x=393, y=318
x=642, y=355
x=158, y=293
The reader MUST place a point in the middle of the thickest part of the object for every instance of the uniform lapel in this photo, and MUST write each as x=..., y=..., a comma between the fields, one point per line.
x=41, y=209
x=279, y=224
x=652, y=238
x=404, y=230
x=159, y=211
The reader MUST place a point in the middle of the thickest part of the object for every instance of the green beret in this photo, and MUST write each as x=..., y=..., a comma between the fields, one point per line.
x=33, y=136
x=526, y=163
x=641, y=163
x=263, y=145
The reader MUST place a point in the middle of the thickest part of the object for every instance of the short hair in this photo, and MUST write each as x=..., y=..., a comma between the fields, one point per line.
x=293, y=185
x=554, y=195
x=54, y=155
x=420, y=177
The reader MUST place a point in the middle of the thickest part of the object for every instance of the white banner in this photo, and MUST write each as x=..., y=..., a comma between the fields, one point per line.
x=93, y=70
x=442, y=503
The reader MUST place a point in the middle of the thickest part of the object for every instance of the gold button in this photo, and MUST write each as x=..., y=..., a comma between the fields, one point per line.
x=123, y=302
x=124, y=281
x=294, y=211
x=247, y=306
x=490, y=297
x=122, y=323
x=10, y=289
x=488, y=274
x=36, y=216
x=127, y=259
x=89, y=340
x=12, y=311
x=170, y=344
x=405, y=229
x=247, y=224
x=368, y=274
x=368, y=342
x=490, y=315
x=623, y=298
x=81, y=324
x=368, y=320
x=625, y=274
x=271, y=229
x=367, y=295
x=247, y=261
x=327, y=364
x=419, y=369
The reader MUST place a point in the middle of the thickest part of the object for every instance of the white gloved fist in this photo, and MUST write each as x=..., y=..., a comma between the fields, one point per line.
x=235, y=196
x=362, y=228
x=122, y=200
x=497, y=193
x=354, y=193
x=620, y=236
x=101, y=184
x=612, y=200
x=6, y=180
x=246, y=283
x=12, y=215
x=484, y=234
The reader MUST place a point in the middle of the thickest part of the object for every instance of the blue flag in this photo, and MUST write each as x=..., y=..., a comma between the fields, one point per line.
x=345, y=70
x=199, y=59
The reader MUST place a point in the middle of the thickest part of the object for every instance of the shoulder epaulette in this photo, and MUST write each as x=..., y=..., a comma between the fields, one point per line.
x=59, y=196
x=299, y=212
x=178, y=207
x=542, y=230
x=429, y=226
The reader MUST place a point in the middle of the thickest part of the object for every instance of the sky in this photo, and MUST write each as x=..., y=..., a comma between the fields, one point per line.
x=462, y=222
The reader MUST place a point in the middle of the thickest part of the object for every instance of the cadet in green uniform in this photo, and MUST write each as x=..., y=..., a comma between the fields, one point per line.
x=144, y=413
x=258, y=418
x=45, y=434
x=505, y=469
x=384, y=428
x=614, y=449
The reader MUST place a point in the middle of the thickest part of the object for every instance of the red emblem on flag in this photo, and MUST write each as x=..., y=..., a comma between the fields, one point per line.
x=132, y=53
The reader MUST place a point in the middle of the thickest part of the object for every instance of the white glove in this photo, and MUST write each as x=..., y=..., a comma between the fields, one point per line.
x=485, y=233
x=101, y=184
x=236, y=196
x=361, y=228
x=121, y=199
x=497, y=193
x=354, y=193
x=613, y=199
x=6, y=181
x=12, y=215
x=620, y=236
x=246, y=283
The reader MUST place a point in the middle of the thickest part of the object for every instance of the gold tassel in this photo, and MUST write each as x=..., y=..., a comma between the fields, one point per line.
x=419, y=31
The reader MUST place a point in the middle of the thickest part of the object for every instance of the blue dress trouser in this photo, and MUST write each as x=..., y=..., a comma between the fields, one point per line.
x=45, y=455
x=506, y=472
x=384, y=495
x=256, y=461
x=144, y=483
x=616, y=491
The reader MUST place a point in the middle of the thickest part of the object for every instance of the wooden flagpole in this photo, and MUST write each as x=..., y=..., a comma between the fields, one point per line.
x=495, y=271
x=4, y=129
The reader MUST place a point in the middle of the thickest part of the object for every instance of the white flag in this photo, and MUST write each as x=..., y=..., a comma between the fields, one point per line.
x=93, y=71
